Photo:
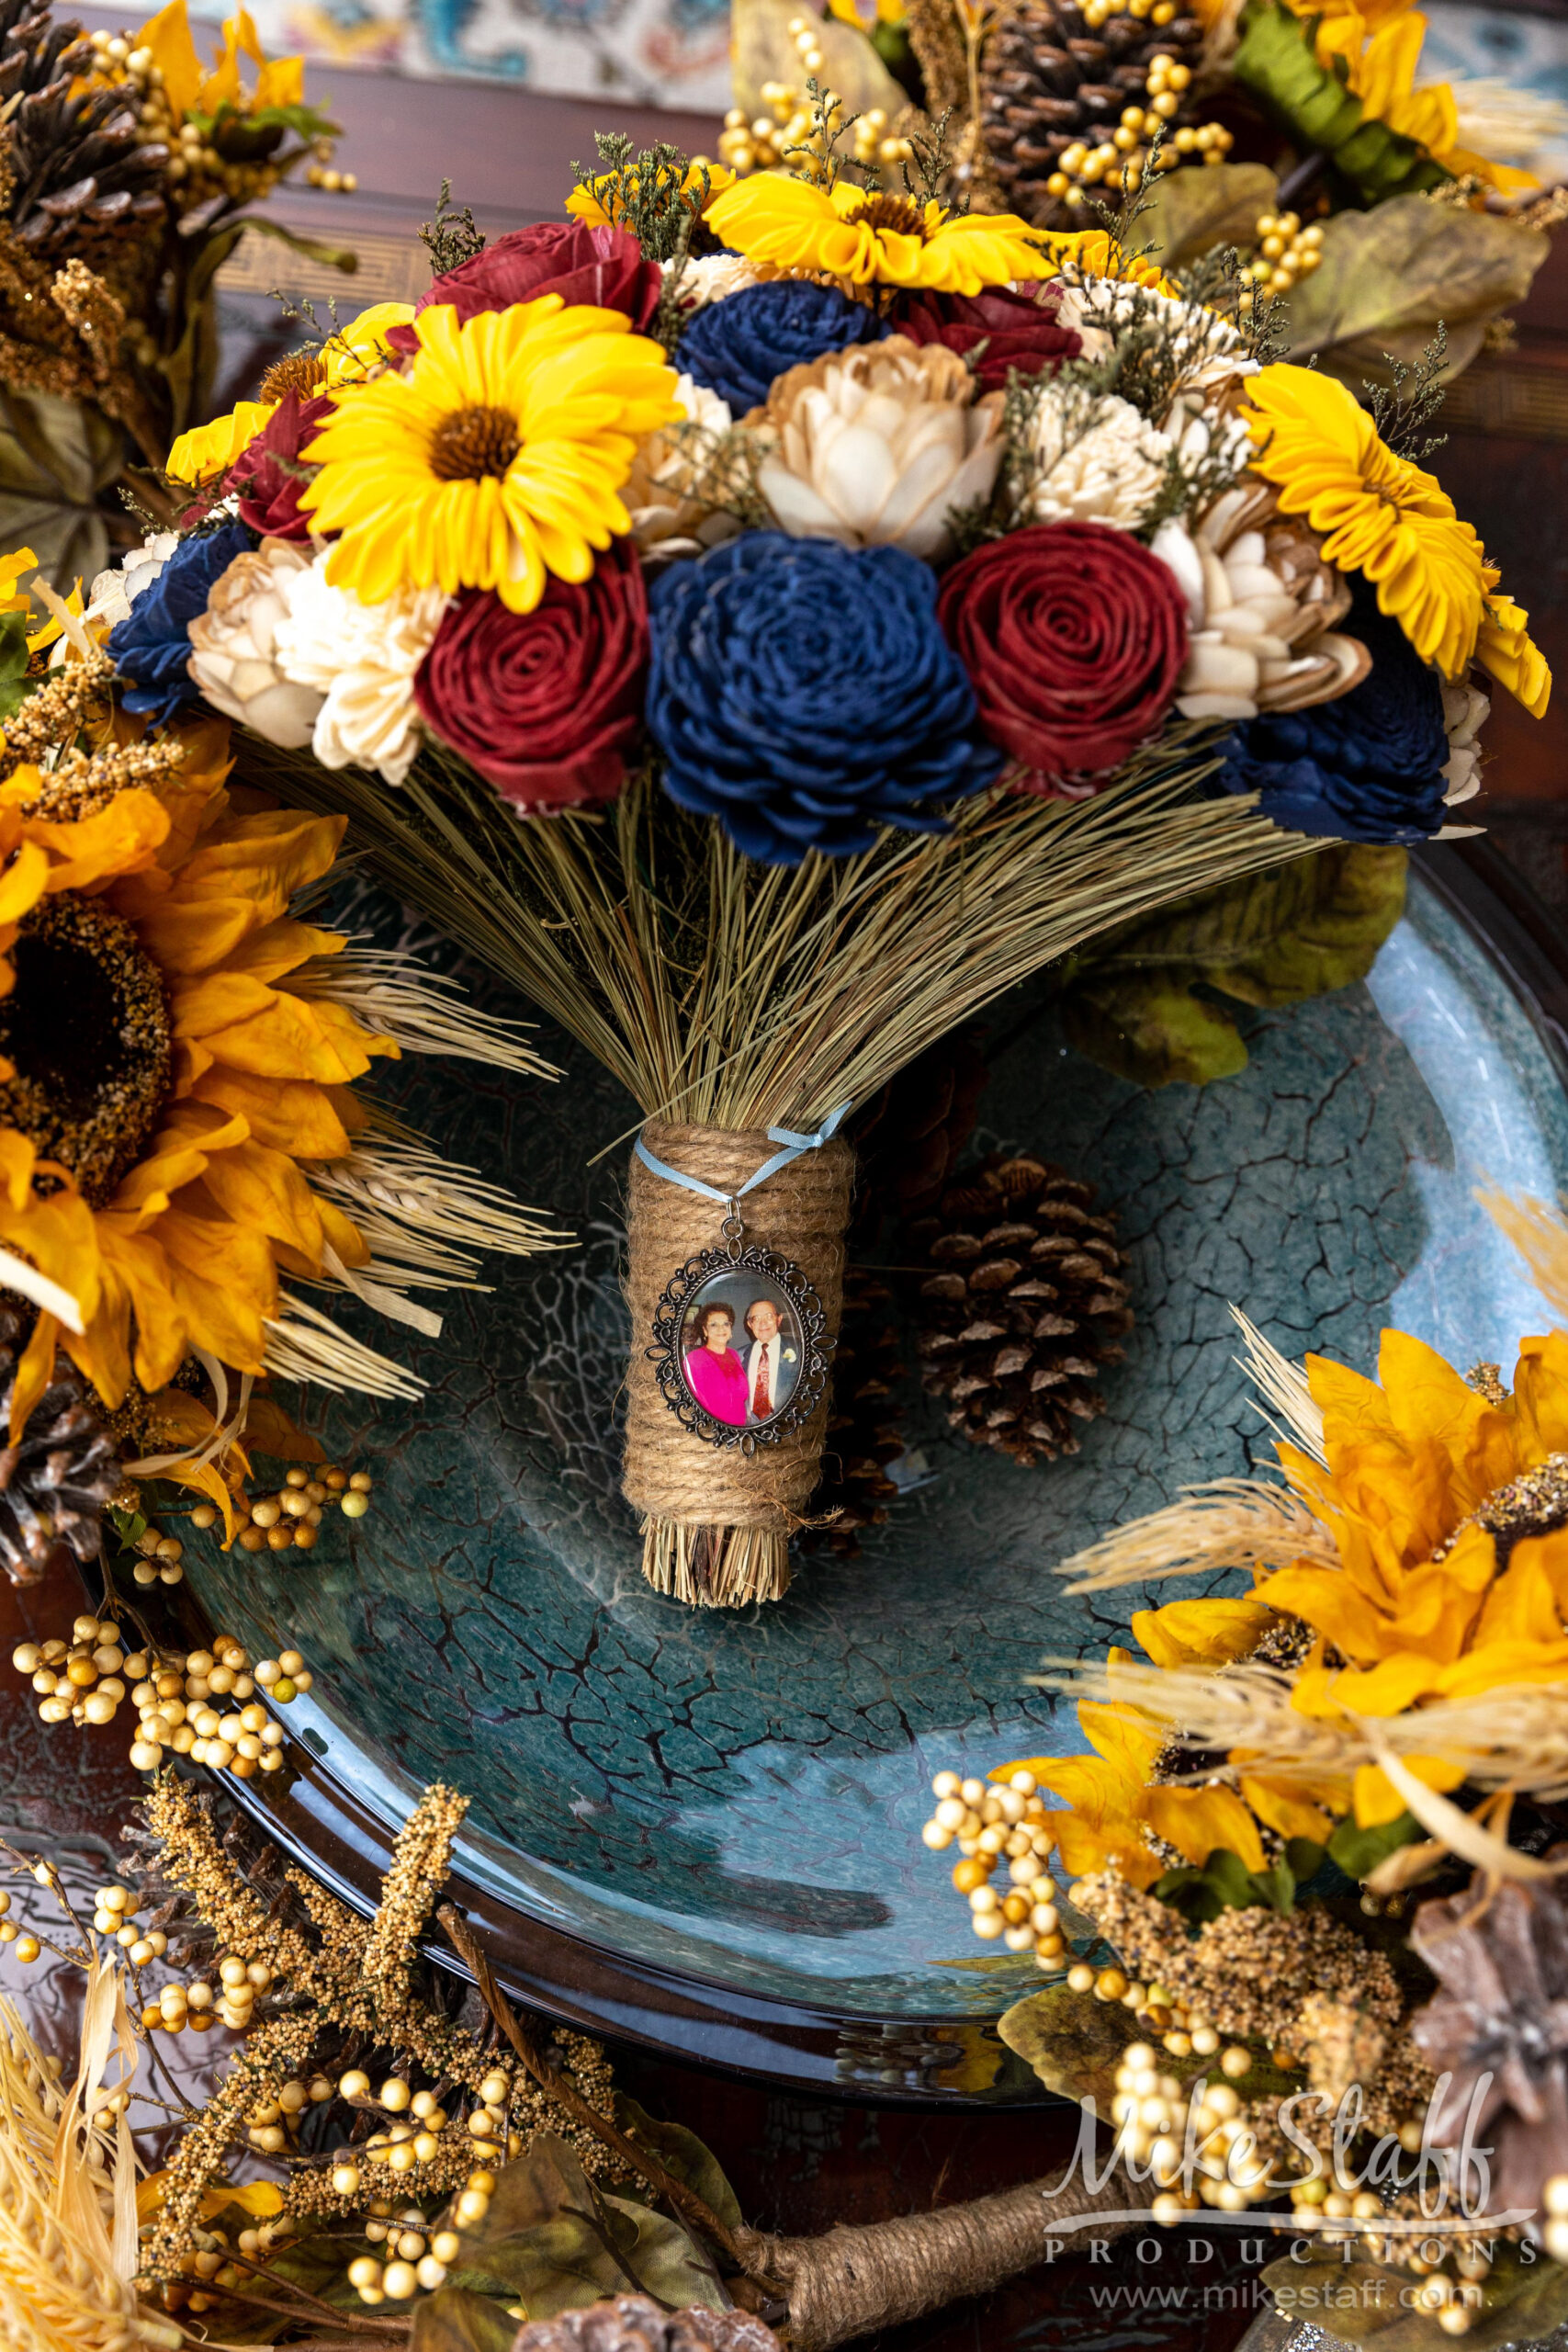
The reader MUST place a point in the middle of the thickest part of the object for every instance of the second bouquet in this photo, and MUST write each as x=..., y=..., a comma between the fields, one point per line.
x=766, y=622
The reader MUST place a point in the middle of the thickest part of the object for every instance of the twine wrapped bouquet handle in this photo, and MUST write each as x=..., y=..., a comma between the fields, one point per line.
x=716, y=1520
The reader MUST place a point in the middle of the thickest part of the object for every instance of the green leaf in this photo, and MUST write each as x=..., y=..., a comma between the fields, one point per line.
x=1073, y=2041
x=1231, y=1878
x=341, y=257
x=15, y=684
x=454, y=2320
x=1276, y=60
x=1304, y=1856
x=1358, y=1851
x=1266, y=939
x=189, y=368
x=1388, y=277
x=1074, y=2044
x=1277, y=1888
x=1154, y=1031
x=1190, y=212
x=58, y=459
x=683, y=2155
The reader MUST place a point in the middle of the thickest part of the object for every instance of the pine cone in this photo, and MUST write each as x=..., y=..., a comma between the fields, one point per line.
x=636, y=2323
x=1496, y=2030
x=1026, y=1306
x=33, y=47
x=1048, y=78
x=79, y=170
x=55, y=1481
x=862, y=1426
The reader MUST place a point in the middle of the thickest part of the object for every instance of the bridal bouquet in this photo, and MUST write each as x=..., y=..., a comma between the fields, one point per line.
x=765, y=621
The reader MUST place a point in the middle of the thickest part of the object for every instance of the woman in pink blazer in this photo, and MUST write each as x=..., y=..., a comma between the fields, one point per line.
x=715, y=1374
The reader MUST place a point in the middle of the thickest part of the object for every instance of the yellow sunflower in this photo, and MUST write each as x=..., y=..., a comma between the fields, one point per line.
x=1376, y=50
x=498, y=458
x=348, y=357
x=873, y=240
x=1114, y=1809
x=1379, y=513
x=166, y=1081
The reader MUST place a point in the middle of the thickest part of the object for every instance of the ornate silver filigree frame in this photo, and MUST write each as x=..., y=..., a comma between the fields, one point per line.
x=665, y=1354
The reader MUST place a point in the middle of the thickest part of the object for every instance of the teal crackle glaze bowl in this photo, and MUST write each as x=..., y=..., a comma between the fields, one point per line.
x=702, y=1830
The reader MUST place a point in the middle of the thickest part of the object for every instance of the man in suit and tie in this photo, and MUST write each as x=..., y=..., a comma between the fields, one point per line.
x=772, y=1364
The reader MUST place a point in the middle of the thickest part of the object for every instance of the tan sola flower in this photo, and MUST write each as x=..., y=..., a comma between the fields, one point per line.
x=876, y=446
x=1262, y=604
x=683, y=479
x=233, y=646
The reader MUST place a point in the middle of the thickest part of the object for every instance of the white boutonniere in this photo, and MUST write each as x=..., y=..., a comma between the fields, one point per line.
x=789, y=1355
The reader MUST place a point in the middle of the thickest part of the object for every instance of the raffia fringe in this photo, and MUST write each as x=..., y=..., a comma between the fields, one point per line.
x=716, y=1522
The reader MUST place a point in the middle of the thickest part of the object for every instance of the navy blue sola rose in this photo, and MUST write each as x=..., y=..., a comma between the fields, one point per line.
x=151, y=646
x=803, y=693
x=736, y=347
x=1368, y=767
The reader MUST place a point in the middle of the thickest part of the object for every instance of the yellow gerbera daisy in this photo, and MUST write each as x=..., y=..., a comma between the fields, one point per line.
x=1379, y=513
x=496, y=460
x=597, y=205
x=208, y=450
x=873, y=240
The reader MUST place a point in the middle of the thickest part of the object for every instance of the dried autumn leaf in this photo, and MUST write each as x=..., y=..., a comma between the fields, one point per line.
x=1388, y=277
x=1520, y=2302
x=554, y=2241
x=1189, y=211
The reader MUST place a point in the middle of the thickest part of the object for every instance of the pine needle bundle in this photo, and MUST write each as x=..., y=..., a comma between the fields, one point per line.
x=743, y=998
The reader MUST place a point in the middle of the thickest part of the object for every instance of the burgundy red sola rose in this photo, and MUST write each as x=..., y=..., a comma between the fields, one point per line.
x=546, y=704
x=1019, y=330
x=601, y=267
x=268, y=477
x=1074, y=636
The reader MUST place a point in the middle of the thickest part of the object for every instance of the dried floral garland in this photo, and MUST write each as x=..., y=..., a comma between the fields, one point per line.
x=1384, y=1709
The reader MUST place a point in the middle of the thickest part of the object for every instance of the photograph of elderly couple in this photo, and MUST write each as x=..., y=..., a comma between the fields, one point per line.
x=740, y=1349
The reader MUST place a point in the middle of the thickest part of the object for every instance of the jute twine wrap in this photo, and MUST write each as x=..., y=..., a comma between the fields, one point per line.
x=716, y=1522
x=851, y=2281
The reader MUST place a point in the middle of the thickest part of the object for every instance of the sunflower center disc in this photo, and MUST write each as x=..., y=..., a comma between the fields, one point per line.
x=88, y=1028
x=896, y=216
x=473, y=443
x=299, y=371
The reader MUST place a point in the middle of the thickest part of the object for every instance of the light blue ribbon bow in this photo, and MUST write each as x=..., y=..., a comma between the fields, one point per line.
x=794, y=1146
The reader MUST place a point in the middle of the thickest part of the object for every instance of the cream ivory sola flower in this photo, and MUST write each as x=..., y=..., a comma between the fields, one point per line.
x=1207, y=349
x=114, y=592
x=874, y=447
x=711, y=278
x=1097, y=460
x=1465, y=713
x=234, y=646
x=362, y=659
x=1261, y=606
x=680, y=477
